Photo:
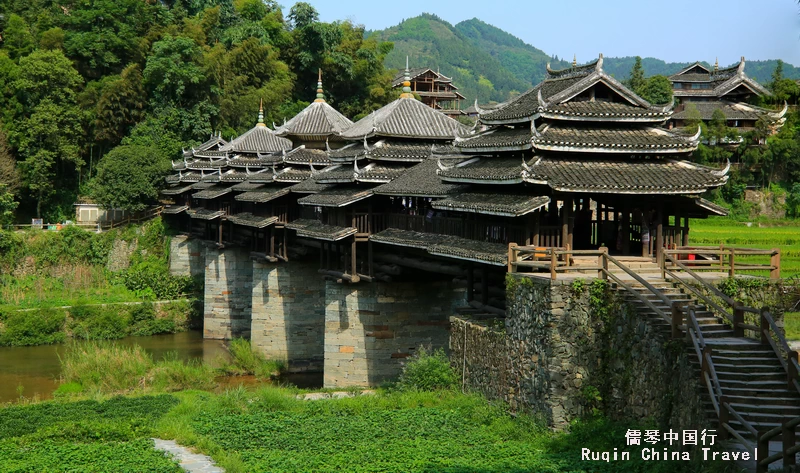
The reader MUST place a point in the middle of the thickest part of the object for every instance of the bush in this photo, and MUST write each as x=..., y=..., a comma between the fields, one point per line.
x=428, y=372
x=149, y=279
x=41, y=327
x=172, y=374
x=99, y=322
x=106, y=367
x=144, y=321
x=245, y=360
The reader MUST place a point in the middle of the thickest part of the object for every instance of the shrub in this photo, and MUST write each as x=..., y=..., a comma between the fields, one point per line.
x=245, y=360
x=144, y=321
x=428, y=372
x=150, y=279
x=98, y=322
x=38, y=327
x=172, y=374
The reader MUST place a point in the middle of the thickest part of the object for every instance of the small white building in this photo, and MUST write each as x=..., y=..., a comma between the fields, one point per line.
x=90, y=213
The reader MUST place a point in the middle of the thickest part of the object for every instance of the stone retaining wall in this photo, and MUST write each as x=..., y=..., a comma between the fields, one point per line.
x=566, y=349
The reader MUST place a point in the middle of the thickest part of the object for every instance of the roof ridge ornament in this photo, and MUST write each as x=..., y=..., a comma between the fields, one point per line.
x=526, y=169
x=534, y=132
x=723, y=172
x=478, y=107
x=406, y=84
x=696, y=138
x=261, y=114
x=599, y=66
x=716, y=64
x=441, y=166
x=740, y=68
x=320, y=94
x=779, y=115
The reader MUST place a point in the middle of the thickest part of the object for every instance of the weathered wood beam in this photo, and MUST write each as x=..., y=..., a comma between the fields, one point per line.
x=431, y=266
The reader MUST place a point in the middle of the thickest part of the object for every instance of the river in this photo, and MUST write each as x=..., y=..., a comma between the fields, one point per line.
x=35, y=370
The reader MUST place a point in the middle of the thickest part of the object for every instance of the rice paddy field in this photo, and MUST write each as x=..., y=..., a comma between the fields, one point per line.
x=783, y=234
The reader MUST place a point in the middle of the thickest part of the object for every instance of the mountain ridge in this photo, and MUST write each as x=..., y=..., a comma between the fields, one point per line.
x=490, y=64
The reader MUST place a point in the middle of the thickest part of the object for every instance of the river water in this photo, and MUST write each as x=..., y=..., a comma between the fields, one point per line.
x=34, y=371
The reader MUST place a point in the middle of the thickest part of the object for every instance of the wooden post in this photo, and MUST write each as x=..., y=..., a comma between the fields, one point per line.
x=721, y=258
x=219, y=226
x=353, y=270
x=602, y=263
x=570, y=223
x=792, y=373
x=470, y=283
x=484, y=286
x=285, y=246
x=724, y=417
x=685, y=231
x=512, y=258
x=659, y=232
x=738, y=320
x=272, y=241
x=564, y=229
x=789, y=441
x=732, y=262
x=762, y=451
x=677, y=318
x=763, y=327
x=553, y=263
x=775, y=262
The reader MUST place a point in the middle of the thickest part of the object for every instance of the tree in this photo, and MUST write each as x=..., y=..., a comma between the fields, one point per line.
x=173, y=75
x=121, y=105
x=129, y=178
x=17, y=37
x=656, y=90
x=693, y=118
x=636, y=80
x=302, y=15
x=777, y=74
x=9, y=175
x=7, y=206
x=52, y=39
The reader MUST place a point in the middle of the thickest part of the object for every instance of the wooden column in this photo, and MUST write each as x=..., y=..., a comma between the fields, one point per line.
x=570, y=223
x=564, y=224
x=272, y=240
x=219, y=228
x=484, y=285
x=470, y=283
x=659, y=241
x=285, y=246
x=685, y=231
x=353, y=258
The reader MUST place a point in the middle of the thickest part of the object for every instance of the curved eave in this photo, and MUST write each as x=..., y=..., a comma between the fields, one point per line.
x=495, y=149
x=510, y=121
x=635, y=191
x=609, y=118
x=612, y=150
x=481, y=181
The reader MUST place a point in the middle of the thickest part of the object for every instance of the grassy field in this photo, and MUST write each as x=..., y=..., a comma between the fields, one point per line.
x=269, y=429
x=791, y=322
x=783, y=234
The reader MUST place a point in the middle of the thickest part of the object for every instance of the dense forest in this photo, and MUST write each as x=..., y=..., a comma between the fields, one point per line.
x=92, y=92
x=97, y=97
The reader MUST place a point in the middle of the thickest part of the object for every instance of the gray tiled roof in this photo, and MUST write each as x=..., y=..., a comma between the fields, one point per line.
x=174, y=209
x=347, y=153
x=732, y=111
x=601, y=110
x=615, y=140
x=318, y=119
x=176, y=190
x=309, y=186
x=711, y=207
x=444, y=245
x=319, y=231
x=190, y=176
x=506, y=205
x=690, y=77
x=233, y=175
x=292, y=175
x=247, y=186
x=206, y=164
x=403, y=151
x=406, y=118
x=501, y=138
x=212, y=143
x=335, y=174
x=247, y=219
x=202, y=185
x=212, y=192
x=339, y=196
x=419, y=181
x=380, y=173
x=205, y=214
x=304, y=156
x=264, y=194
x=259, y=139
x=412, y=74
x=625, y=176
x=256, y=162
x=485, y=170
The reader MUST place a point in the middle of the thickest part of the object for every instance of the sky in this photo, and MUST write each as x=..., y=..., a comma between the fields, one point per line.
x=675, y=30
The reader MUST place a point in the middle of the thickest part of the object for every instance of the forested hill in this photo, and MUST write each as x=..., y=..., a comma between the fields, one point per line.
x=490, y=63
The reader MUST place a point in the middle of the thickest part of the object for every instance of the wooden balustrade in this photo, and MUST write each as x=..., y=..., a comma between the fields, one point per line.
x=723, y=258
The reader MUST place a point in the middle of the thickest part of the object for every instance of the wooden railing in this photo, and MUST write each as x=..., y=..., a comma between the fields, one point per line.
x=137, y=218
x=558, y=260
x=723, y=259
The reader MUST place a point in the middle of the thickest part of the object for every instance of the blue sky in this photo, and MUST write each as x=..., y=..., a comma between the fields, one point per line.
x=675, y=30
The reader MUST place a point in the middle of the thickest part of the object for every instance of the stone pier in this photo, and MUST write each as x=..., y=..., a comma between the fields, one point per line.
x=371, y=328
x=187, y=256
x=228, y=293
x=288, y=314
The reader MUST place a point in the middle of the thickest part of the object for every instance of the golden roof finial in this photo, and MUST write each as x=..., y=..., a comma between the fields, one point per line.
x=716, y=64
x=574, y=60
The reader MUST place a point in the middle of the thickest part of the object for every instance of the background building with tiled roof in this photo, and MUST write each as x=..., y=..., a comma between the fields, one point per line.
x=434, y=90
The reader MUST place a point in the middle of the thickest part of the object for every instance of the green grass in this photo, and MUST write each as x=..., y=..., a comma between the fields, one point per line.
x=246, y=361
x=784, y=234
x=791, y=321
x=269, y=429
x=109, y=436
